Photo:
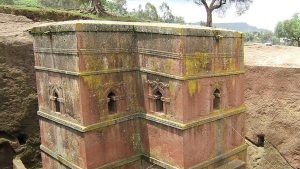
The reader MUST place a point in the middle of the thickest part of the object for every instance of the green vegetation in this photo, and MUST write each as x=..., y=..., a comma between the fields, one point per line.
x=32, y=3
x=26, y=2
x=60, y=10
x=289, y=30
x=150, y=13
x=261, y=37
x=40, y=14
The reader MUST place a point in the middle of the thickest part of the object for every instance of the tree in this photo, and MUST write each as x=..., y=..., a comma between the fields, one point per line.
x=96, y=6
x=64, y=4
x=6, y=2
x=222, y=6
x=289, y=29
x=151, y=12
x=167, y=13
x=179, y=19
x=116, y=7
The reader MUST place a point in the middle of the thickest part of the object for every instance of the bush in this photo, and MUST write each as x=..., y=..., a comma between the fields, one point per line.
x=32, y=3
x=63, y=4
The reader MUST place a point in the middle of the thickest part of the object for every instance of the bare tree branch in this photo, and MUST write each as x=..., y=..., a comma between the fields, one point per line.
x=241, y=6
x=219, y=5
x=212, y=3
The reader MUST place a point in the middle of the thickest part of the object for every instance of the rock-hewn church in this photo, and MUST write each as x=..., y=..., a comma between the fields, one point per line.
x=139, y=95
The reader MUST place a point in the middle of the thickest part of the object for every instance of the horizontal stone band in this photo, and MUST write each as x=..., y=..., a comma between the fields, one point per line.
x=73, y=73
x=147, y=157
x=145, y=51
x=59, y=157
x=153, y=118
x=232, y=152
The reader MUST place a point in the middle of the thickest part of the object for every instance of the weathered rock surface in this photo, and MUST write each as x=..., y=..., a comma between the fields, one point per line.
x=19, y=124
x=266, y=157
x=273, y=108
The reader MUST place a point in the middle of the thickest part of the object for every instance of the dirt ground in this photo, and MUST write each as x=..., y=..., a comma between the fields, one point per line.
x=11, y=25
x=273, y=105
x=273, y=56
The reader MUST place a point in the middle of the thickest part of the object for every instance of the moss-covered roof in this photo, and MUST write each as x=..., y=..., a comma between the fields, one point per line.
x=139, y=27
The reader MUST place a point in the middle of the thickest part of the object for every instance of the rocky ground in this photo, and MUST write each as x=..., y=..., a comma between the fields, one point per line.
x=19, y=124
x=273, y=103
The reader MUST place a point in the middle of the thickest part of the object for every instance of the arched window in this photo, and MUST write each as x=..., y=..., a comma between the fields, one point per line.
x=56, y=102
x=216, y=99
x=112, y=103
x=158, y=101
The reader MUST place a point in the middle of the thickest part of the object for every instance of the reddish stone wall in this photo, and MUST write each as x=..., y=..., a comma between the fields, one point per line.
x=64, y=142
x=68, y=90
x=173, y=92
x=198, y=95
x=50, y=163
x=95, y=89
x=212, y=139
x=163, y=143
x=112, y=143
x=139, y=91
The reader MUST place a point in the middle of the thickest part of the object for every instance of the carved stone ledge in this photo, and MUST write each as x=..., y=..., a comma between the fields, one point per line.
x=153, y=118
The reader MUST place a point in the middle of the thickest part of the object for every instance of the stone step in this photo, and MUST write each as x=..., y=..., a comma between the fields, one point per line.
x=234, y=164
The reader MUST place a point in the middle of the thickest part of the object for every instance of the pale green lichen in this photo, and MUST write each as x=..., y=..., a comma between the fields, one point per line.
x=197, y=63
x=192, y=85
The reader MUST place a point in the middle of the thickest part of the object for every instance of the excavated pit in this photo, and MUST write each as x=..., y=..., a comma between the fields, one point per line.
x=272, y=98
x=19, y=123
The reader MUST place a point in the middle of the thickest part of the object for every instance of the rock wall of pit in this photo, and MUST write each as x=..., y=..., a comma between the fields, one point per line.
x=273, y=109
x=19, y=127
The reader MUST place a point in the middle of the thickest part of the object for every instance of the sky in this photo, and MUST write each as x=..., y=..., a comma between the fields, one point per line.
x=262, y=13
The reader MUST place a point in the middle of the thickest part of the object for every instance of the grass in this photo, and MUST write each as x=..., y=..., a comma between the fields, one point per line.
x=38, y=13
x=32, y=3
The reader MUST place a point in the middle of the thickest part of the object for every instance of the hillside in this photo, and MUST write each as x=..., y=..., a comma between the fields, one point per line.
x=51, y=14
x=239, y=26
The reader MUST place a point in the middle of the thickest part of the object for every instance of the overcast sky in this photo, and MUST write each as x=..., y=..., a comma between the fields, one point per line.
x=262, y=13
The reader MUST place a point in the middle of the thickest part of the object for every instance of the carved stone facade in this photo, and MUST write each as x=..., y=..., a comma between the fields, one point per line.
x=138, y=95
x=158, y=97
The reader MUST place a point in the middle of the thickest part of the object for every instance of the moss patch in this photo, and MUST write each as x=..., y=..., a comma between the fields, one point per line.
x=192, y=85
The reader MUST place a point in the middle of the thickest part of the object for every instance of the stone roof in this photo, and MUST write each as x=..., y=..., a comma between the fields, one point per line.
x=140, y=27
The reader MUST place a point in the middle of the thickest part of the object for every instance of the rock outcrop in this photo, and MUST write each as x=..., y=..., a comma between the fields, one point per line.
x=273, y=106
x=19, y=127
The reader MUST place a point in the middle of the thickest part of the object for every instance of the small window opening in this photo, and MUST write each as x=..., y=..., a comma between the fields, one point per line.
x=112, y=104
x=22, y=138
x=56, y=102
x=261, y=140
x=159, y=103
x=217, y=99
